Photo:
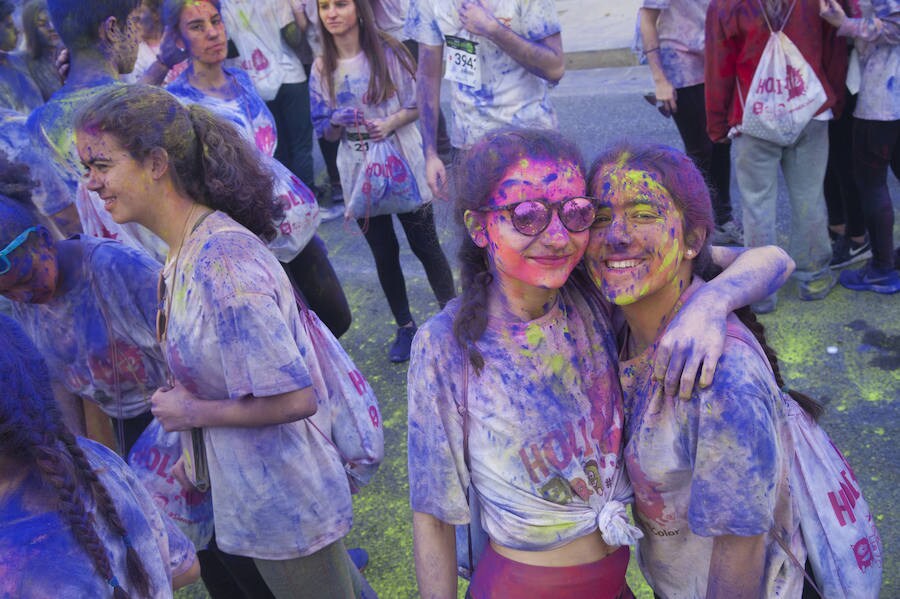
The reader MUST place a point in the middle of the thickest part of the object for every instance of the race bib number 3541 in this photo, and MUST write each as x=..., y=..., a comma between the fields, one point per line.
x=461, y=61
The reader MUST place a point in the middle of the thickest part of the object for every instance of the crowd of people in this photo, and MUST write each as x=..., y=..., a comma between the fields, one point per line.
x=159, y=262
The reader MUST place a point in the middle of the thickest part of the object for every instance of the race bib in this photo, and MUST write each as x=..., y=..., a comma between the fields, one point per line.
x=359, y=141
x=461, y=61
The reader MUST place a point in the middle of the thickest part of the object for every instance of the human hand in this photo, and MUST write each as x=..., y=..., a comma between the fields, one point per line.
x=694, y=338
x=379, y=128
x=477, y=19
x=436, y=175
x=175, y=408
x=180, y=474
x=832, y=12
x=666, y=97
x=346, y=117
x=62, y=64
x=169, y=52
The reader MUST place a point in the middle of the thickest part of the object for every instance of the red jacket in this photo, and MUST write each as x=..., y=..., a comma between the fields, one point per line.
x=736, y=34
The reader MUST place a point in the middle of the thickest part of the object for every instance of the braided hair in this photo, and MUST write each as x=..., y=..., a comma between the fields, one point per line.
x=32, y=431
x=682, y=179
x=478, y=173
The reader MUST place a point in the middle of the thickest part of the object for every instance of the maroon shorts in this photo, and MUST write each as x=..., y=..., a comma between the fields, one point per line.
x=500, y=577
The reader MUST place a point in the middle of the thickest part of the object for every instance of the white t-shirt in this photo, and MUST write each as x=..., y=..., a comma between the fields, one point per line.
x=717, y=464
x=115, y=294
x=509, y=94
x=681, y=29
x=255, y=28
x=41, y=557
x=390, y=16
x=545, y=424
x=279, y=491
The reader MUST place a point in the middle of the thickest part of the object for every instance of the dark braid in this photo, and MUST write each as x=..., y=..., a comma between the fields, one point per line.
x=478, y=172
x=31, y=429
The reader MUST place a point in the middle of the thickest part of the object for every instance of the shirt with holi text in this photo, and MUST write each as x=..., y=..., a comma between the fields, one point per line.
x=545, y=424
x=99, y=336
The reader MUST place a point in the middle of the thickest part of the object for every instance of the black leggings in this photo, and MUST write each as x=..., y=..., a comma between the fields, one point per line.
x=713, y=160
x=318, y=284
x=422, y=237
x=876, y=146
x=841, y=196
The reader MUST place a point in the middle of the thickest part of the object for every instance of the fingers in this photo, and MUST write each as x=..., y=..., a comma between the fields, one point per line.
x=181, y=476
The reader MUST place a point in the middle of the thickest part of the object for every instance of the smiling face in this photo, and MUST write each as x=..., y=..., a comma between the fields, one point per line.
x=202, y=32
x=524, y=263
x=122, y=182
x=33, y=272
x=339, y=17
x=637, y=247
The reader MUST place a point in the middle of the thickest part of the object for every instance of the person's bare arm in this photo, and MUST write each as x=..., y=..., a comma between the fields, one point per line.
x=543, y=57
x=178, y=410
x=428, y=99
x=189, y=577
x=665, y=91
x=696, y=337
x=169, y=56
x=380, y=128
x=737, y=567
x=434, y=550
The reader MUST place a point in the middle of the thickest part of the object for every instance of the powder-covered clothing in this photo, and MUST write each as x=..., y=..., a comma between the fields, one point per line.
x=351, y=80
x=50, y=194
x=717, y=464
x=509, y=95
x=680, y=28
x=876, y=34
x=113, y=294
x=545, y=424
x=390, y=16
x=17, y=90
x=255, y=28
x=41, y=557
x=246, y=110
x=234, y=330
x=736, y=34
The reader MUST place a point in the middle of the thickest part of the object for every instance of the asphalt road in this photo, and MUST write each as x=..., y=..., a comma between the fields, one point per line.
x=859, y=382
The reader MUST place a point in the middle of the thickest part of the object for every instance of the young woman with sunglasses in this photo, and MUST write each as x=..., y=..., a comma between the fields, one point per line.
x=89, y=306
x=514, y=399
x=74, y=522
x=243, y=369
x=362, y=87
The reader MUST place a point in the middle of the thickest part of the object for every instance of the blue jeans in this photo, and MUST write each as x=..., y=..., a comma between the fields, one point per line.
x=756, y=163
x=295, y=131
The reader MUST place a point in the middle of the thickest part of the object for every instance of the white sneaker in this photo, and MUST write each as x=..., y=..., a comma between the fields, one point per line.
x=729, y=233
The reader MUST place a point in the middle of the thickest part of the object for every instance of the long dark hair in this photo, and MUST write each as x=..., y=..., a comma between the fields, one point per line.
x=682, y=179
x=373, y=42
x=32, y=433
x=478, y=172
x=209, y=160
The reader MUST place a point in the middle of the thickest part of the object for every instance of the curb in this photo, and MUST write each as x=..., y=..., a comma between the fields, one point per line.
x=600, y=59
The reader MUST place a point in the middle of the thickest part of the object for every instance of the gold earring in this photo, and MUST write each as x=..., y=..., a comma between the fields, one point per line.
x=689, y=253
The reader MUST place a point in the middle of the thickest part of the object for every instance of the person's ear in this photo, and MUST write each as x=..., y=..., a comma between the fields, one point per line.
x=693, y=243
x=476, y=228
x=110, y=30
x=158, y=160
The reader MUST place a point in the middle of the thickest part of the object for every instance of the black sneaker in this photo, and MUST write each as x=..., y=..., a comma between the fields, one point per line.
x=402, y=344
x=845, y=251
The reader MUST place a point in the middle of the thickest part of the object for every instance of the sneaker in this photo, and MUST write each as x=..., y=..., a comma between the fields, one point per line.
x=871, y=279
x=359, y=557
x=816, y=289
x=337, y=193
x=402, y=344
x=845, y=251
x=331, y=213
x=729, y=233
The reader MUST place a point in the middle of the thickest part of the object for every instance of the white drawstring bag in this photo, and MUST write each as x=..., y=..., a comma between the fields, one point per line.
x=785, y=93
